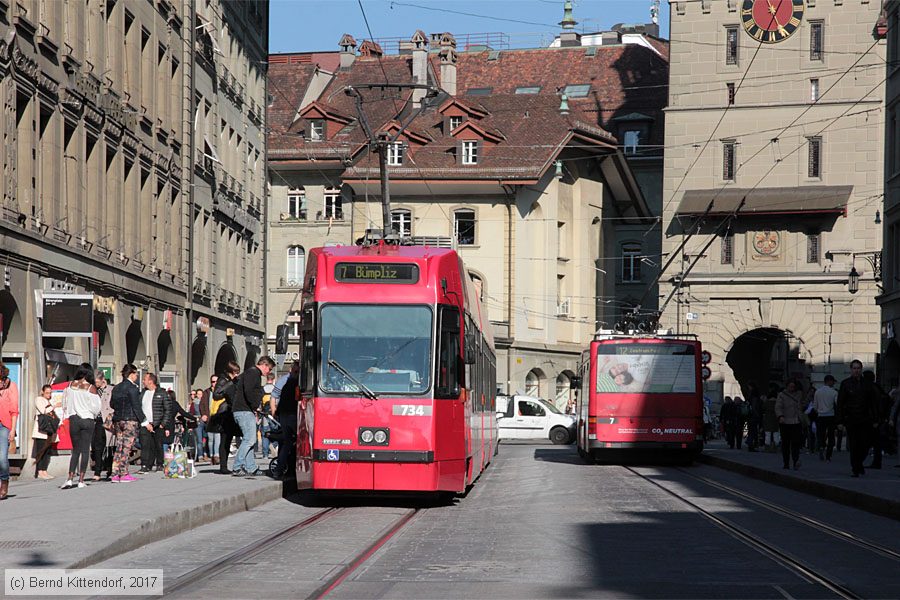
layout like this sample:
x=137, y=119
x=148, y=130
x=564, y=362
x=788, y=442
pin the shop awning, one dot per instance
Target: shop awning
x=62, y=357
x=767, y=201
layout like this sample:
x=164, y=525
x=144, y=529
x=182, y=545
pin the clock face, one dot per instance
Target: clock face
x=771, y=21
x=766, y=242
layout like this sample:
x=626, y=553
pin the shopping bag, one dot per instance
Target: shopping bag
x=175, y=462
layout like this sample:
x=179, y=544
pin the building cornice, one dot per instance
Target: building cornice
x=773, y=105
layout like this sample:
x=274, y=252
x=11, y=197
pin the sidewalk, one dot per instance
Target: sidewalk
x=43, y=526
x=878, y=491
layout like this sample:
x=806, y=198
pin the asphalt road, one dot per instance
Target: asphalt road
x=540, y=524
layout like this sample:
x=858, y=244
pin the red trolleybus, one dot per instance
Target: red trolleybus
x=398, y=372
x=641, y=392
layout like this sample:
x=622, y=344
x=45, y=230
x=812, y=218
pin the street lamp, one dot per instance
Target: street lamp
x=853, y=281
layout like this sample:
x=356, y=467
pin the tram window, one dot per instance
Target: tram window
x=447, y=366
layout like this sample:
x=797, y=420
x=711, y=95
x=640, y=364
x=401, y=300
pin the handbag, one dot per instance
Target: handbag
x=175, y=462
x=48, y=424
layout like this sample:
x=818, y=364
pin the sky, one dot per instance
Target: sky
x=309, y=25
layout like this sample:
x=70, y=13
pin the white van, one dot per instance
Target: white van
x=524, y=417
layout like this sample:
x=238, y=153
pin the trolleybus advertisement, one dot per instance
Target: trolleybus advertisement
x=646, y=368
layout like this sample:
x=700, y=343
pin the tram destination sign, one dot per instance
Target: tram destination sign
x=371, y=272
x=68, y=315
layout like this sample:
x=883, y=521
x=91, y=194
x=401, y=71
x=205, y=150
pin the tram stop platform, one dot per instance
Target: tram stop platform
x=878, y=491
x=44, y=526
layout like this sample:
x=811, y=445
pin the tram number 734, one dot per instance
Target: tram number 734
x=412, y=410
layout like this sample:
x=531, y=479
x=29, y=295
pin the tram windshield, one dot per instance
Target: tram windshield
x=386, y=348
x=646, y=368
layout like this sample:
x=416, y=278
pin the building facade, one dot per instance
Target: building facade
x=773, y=187
x=530, y=185
x=109, y=186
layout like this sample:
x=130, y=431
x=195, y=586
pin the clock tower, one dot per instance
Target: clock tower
x=773, y=183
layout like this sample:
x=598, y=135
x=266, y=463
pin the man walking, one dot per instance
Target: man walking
x=857, y=413
x=727, y=418
x=247, y=400
x=825, y=401
x=153, y=403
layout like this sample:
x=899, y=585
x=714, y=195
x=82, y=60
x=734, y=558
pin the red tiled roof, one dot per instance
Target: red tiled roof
x=533, y=133
x=624, y=79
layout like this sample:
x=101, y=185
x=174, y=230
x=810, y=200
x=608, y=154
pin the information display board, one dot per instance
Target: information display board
x=68, y=315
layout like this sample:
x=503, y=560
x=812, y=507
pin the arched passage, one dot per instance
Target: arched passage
x=135, y=349
x=563, y=390
x=767, y=355
x=535, y=383
x=13, y=328
x=226, y=353
x=198, y=356
x=252, y=356
x=164, y=348
x=105, y=345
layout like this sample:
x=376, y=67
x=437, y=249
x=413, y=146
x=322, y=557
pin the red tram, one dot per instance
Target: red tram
x=641, y=392
x=398, y=371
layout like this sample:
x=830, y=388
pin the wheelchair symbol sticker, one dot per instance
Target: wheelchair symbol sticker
x=333, y=455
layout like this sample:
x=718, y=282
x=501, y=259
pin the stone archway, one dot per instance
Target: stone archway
x=135, y=349
x=13, y=327
x=767, y=355
x=535, y=381
x=198, y=357
x=166, y=356
x=563, y=390
x=105, y=344
x=226, y=353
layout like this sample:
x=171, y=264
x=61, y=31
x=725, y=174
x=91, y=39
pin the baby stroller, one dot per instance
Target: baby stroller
x=274, y=433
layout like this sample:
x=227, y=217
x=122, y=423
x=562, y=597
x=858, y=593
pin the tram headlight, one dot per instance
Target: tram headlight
x=380, y=436
x=367, y=436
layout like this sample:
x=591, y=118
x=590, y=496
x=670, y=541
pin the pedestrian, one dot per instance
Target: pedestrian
x=221, y=415
x=857, y=413
x=286, y=397
x=741, y=416
x=808, y=420
x=754, y=423
x=267, y=408
x=726, y=418
x=9, y=417
x=81, y=406
x=102, y=443
x=154, y=403
x=199, y=409
x=128, y=414
x=174, y=412
x=825, y=401
x=213, y=436
x=883, y=411
x=770, y=419
x=247, y=401
x=40, y=450
x=788, y=407
x=894, y=420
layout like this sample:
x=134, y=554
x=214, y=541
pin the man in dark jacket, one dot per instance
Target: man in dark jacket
x=154, y=402
x=857, y=412
x=728, y=420
x=285, y=396
x=247, y=400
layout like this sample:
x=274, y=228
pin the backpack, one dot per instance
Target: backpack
x=222, y=396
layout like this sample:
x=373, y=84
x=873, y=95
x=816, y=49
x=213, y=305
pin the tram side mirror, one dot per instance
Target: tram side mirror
x=281, y=339
x=576, y=381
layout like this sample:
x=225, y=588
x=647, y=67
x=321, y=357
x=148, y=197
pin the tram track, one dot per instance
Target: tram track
x=204, y=572
x=360, y=559
x=799, y=517
x=780, y=556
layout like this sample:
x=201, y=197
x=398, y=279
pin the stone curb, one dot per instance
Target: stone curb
x=883, y=507
x=167, y=525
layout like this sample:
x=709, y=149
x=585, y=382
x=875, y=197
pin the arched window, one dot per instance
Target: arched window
x=631, y=261
x=296, y=265
x=464, y=227
x=533, y=383
x=401, y=222
x=478, y=282
x=563, y=391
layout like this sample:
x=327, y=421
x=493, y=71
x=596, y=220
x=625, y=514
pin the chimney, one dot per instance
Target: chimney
x=348, y=50
x=569, y=37
x=448, y=63
x=419, y=42
x=609, y=38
